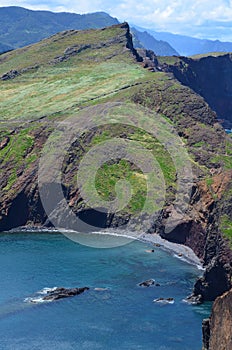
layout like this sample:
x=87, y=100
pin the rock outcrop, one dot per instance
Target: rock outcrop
x=202, y=233
x=147, y=283
x=211, y=77
x=217, y=331
x=10, y=75
x=55, y=293
x=60, y=293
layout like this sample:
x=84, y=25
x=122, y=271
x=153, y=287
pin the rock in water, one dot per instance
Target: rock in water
x=194, y=299
x=61, y=292
x=147, y=283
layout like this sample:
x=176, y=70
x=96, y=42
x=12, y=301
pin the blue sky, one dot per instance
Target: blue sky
x=200, y=18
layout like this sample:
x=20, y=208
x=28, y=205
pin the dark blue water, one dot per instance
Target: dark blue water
x=122, y=317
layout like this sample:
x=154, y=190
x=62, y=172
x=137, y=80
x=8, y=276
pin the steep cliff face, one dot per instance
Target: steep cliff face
x=217, y=331
x=217, y=255
x=211, y=77
x=201, y=228
x=201, y=231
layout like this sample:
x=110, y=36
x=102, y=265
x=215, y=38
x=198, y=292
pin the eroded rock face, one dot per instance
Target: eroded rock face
x=217, y=331
x=205, y=334
x=214, y=282
x=200, y=230
x=211, y=77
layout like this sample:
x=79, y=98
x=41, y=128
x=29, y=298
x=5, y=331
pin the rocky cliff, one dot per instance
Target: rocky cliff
x=217, y=330
x=211, y=77
x=202, y=226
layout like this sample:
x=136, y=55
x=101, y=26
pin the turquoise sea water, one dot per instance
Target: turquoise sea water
x=122, y=317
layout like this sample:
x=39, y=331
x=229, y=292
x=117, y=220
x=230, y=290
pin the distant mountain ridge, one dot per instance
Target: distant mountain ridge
x=20, y=27
x=189, y=46
x=160, y=47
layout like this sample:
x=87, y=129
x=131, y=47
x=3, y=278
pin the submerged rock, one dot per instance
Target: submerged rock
x=147, y=283
x=101, y=289
x=164, y=300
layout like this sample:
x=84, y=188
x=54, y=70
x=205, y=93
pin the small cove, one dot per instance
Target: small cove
x=123, y=316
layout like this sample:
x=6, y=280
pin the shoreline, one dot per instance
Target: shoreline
x=178, y=251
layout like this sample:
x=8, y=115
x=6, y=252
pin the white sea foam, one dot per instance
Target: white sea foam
x=100, y=289
x=46, y=290
x=38, y=300
x=183, y=258
x=34, y=229
x=163, y=301
x=179, y=251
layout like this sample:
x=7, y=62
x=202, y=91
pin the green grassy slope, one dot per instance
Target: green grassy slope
x=101, y=68
x=49, y=89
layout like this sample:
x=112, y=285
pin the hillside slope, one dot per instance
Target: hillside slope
x=84, y=77
x=20, y=27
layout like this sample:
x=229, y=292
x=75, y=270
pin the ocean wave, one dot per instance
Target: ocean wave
x=189, y=261
x=38, y=300
x=46, y=290
x=34, y=229
x=164, y=301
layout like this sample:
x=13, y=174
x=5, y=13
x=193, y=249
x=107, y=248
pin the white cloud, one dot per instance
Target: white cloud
x=80, y=6
x=180, y=16
x=179, y=11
